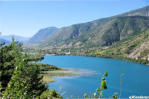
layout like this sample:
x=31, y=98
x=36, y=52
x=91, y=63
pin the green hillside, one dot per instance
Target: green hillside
x=98, y=33
x=94, y=34
x=135, y=48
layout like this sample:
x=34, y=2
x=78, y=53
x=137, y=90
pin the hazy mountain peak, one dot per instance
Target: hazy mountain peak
x=16, y=37
x=43, y=35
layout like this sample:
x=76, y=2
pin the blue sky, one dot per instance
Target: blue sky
x=25, y=18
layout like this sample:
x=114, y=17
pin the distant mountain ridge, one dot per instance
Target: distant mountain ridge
x=17, y=38
x=97, y=33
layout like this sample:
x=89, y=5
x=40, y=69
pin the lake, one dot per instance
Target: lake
x=135, y=80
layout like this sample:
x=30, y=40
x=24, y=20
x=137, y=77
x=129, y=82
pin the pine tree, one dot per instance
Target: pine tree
x=8, y=58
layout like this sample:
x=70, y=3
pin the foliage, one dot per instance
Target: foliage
x=9, y=55
x=25, y=82
x=103, y=84
x=19, y=78
x=106, y=74
x=47, y=67
x=50, y=94
x=99, y=91
x=36, y=57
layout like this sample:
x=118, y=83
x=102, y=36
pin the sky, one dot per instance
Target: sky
x=27, y=17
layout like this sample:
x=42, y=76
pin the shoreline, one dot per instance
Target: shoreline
x=108, y=57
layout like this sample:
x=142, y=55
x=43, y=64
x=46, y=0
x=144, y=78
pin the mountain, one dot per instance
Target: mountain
x=17, y=38
x=97, y=33
x=42, y=35
x=102, y=32
x=135, y=47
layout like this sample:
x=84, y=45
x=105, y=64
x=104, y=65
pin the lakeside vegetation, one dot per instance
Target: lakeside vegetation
x=22, y=77
x=19, y=77
x=35, y=57
x=95, y=53
x=107, y=52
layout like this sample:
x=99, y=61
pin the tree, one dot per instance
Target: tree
x=18, y=77
x=26, y=82
x=9, y=54
x=50, y=94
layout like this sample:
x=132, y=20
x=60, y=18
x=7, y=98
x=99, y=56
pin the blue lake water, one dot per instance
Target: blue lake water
x=135, y=80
